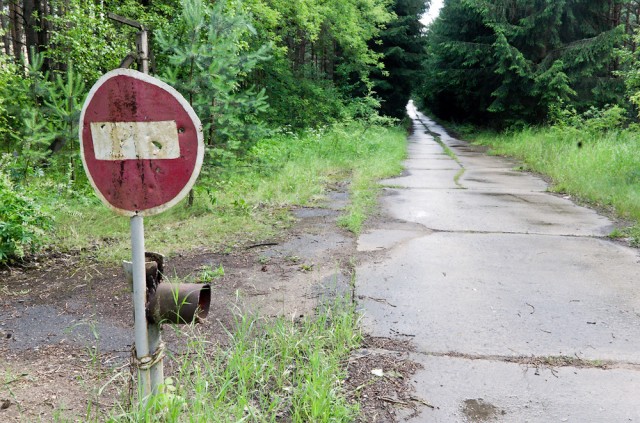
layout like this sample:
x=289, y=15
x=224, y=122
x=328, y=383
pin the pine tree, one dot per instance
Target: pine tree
x=510, y=61
x=402, y=44
x=208, y=60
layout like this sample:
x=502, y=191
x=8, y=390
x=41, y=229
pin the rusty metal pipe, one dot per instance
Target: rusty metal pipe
x=179, y=303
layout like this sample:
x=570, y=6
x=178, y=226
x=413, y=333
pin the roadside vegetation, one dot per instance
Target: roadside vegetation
x=248, y=202
x=593, y=157
x=272, y=370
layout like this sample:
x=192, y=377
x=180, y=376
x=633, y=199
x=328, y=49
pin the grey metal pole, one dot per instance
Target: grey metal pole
x=154, y=330
x=148, y=338
x=157, y=369
x=139, y=303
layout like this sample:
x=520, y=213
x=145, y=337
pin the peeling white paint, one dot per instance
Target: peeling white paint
x=135, y=140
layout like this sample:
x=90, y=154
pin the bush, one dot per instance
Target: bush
x=593, y=120
x=23, y=224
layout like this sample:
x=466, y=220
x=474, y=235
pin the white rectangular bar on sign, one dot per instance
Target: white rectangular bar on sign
x=135, y=140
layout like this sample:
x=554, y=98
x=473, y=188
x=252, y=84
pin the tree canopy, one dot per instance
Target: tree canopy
x=510, y=61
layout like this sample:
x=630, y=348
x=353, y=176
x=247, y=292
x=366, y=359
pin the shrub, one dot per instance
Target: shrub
x=23, y=224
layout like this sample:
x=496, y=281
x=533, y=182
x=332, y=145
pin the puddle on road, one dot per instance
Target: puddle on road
x=306, y=213
x=477, y=410
x=39, y=325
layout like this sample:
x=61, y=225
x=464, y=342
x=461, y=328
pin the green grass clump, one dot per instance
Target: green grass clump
x=271, y=371
x=602, y=168
x=380, y=156
x=245, y=200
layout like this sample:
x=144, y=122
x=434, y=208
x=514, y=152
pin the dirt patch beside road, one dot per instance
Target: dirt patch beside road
x=66, y=323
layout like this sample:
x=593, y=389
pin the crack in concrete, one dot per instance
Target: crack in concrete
x=548, y=361
x=448, y=151
x=473, y=232
x=538, y=362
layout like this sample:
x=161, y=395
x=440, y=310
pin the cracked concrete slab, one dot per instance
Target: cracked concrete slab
x=515, y=211
x=382, y=239
x=434, y=179
x=431, y=163
x=464, y=390
x=507, y=295
x=432, y=149
x=478, y=161
x=496, y=178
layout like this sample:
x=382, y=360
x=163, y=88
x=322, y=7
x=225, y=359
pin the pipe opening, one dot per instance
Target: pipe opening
x=204, y=302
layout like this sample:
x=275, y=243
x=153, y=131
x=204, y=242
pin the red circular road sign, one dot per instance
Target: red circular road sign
x=141, y=143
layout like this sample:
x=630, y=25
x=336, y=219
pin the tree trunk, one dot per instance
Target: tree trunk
x=35, y=27
x=191, y=198
x=4, y=24
x=30, y=15
x=15, y=18
x=43, y=32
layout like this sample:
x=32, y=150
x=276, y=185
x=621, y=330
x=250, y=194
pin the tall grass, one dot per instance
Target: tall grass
x=248, y=199
x=272, y=371
x=601, y=167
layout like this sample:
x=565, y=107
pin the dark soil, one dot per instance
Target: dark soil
x=379, y=379
x=66, y=323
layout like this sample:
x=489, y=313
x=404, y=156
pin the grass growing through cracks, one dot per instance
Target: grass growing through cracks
x=271, y=371
x=248, y=199
x=602, y=168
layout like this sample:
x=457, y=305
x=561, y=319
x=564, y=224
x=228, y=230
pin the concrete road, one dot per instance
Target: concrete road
x=521, y=308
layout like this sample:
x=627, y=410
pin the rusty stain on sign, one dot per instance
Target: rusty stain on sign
x=135, y=140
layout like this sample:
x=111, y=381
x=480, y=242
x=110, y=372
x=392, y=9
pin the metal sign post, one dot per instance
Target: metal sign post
x=142, y=149
x=151, y=338
x=147, y=341
x=139, y=306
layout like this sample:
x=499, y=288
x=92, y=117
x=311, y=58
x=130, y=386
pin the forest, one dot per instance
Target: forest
x=514, y=62
x=553, y=83
x=303, y=103
x=252, y=70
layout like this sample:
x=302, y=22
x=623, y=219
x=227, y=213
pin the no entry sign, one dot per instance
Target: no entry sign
x=141, y=143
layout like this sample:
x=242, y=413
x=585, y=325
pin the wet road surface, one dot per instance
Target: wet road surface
x=521, y=308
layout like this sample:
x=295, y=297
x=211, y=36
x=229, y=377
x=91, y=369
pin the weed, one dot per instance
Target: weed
x=632, y=234
x=208, y=274
x=293, y=259
x=306, y=267
x=457, y=176
x=598, y=167
x=616, y=234
x=93, y=351
x=15, y=293
x=271, y=371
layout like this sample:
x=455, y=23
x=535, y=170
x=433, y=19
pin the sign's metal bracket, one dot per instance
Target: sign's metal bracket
x=128, y=60
x=126, y=21
x=142, y=55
